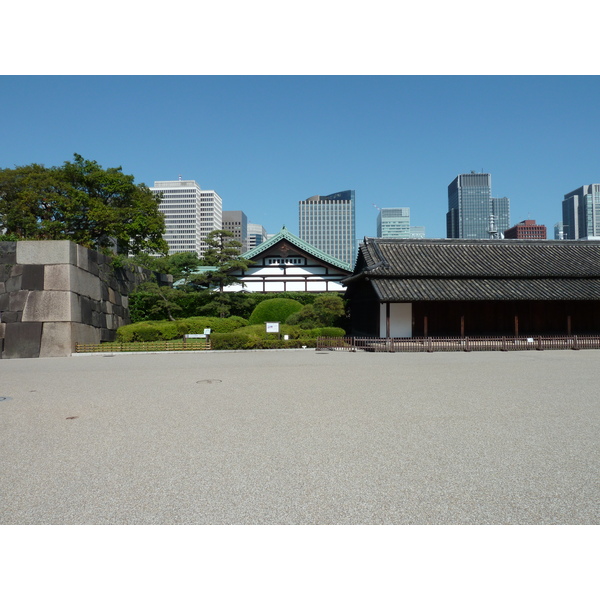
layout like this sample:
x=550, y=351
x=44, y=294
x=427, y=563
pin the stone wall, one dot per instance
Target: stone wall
x=55, y=294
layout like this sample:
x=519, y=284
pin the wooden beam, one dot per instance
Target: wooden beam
x=387, y=320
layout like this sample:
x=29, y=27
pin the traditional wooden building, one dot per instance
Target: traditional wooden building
x=285, y=263
x=410, y=288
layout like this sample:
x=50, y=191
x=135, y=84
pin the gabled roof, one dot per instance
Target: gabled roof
x=284, y=234
x=411, y=270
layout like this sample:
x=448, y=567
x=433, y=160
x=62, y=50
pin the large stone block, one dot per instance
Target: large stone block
x=5, y=270
x=8, y=252
x=13, y=284
x=86, y=309
x=33, y=277
x=83, y=258
x=46, y=252
x=108, y=335
x=58, y=277
x=51, y=306
x=9, y=316
x=57, y=340
x=85, y=334
x=17, y=300
x=71, y=278
x=2, y=330
x=22, y=340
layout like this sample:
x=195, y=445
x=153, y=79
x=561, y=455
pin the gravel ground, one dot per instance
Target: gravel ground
x=301, y=437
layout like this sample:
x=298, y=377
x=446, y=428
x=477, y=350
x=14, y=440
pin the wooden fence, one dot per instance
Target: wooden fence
x=466, y=344
x=158, y=346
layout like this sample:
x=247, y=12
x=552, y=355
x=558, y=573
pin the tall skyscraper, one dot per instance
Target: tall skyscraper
x=328, y=223
x=500, y=212
x=190, y=214
x=236, y=221
x=472, y=212
x=558, y=231
x=395, y=223
x=581, y=212
x=257, y=234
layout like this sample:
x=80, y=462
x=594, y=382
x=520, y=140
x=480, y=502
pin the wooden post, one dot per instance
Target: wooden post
x=516, y=326
x=387, y=320
x=425, y=326
x=462, y=326
x=568, y=325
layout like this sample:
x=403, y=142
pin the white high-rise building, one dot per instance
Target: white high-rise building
x=191, y=213
x=395, y=223
x=328, y=224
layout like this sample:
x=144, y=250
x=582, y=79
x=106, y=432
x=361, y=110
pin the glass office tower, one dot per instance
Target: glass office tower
x=328, y=223
x=472, y=210
x=393, y=223
x=581, y=212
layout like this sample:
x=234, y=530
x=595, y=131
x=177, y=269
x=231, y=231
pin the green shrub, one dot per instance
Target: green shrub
x=144, y=306
x=259, y=331
x=326, y=311
x=147, y=331
x=324, y=332
x=215, y=324
x=144, y=332
x=278, y=309
x=242, y=341
x=232, y=341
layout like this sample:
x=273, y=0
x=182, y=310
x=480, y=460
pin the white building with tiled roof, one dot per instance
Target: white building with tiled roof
x=285, y=263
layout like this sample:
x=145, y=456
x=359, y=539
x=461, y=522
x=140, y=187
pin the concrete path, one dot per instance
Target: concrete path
x=301, y=437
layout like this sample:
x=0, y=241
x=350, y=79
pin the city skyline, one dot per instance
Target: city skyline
x=266, y=143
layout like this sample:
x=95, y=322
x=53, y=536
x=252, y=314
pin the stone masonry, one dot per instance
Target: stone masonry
x=54, y=294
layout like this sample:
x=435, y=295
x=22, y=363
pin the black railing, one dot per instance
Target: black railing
x=458, y=344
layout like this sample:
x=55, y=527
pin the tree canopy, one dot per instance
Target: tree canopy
x=223, y=252
x=82, y=202
x=180, y=265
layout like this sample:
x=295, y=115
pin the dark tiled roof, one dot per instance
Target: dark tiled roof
x=412, y=290
x=411, y=270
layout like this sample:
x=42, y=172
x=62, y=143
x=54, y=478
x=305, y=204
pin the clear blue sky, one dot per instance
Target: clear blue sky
x=266, y=142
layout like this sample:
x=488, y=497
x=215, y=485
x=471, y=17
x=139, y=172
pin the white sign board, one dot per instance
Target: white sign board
x=272, y=327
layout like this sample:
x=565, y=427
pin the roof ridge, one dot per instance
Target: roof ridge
x=285, y=234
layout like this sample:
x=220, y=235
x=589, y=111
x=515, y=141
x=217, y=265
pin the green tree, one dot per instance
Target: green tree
x=165, y=298
x=180, y=265
x=223, y=252
x=325, y=311
x=82, y=202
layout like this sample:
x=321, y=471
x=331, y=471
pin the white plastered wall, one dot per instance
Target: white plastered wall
x=400, y=320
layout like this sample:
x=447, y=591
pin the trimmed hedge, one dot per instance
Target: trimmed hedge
x=277, y=309
x=241, y=341
x=151, y=331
